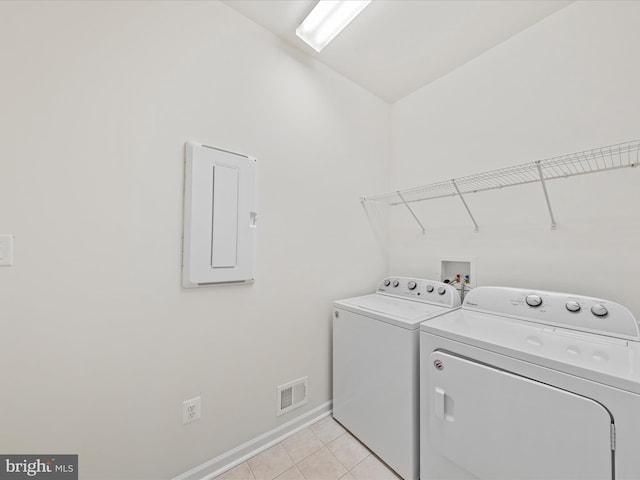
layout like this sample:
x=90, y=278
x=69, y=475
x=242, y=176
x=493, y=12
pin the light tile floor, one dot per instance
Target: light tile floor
x=323, y=451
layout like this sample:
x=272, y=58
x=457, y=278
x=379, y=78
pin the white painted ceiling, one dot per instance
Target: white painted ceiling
x=394, y=47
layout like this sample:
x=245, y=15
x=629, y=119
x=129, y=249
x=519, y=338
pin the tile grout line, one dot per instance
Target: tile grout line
x=250, y=470
x=307, y=456
x=290, y=457
x=361, y=461
x=326, y=446
x=321, y=443
x=349, y=469
x=369, y=452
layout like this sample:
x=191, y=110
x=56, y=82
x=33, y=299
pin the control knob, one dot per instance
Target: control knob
x=429, y=288
x=573, y=306
x=441, y=290
x=387, y=282
x=599, y=310
x=412, y=285
x=396, y=283
x=533, y=300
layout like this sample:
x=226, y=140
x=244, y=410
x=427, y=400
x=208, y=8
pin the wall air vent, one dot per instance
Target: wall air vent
x=292, y=395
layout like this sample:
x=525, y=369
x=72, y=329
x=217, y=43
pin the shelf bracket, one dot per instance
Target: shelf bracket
x=554, y=225
x=453, y=181
x=411, y=211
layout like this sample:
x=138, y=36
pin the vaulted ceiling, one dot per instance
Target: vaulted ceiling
x=397, y=46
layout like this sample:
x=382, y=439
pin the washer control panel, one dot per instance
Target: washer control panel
x=575, y=312
x=420, y=289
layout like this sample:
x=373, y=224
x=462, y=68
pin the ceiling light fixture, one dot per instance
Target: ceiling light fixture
x=327, y=19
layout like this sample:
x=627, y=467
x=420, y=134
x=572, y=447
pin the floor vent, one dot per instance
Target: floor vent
x=292, y=395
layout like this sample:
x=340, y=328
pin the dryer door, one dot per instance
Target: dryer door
x=497, y=425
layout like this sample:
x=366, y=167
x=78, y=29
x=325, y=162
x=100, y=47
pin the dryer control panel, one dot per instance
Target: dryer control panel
x=420, y=289
x=565, y=310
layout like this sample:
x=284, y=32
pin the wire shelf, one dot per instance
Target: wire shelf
x=601, y=159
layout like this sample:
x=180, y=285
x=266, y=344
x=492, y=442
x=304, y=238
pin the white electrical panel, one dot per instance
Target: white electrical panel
x=220, y=212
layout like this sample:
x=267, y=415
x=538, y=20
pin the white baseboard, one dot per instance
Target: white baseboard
x=242, y=453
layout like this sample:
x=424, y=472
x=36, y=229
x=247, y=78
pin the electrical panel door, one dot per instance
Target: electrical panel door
x=219, y=217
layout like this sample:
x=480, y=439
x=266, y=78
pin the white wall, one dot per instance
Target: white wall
x=566, y=84
x=99, y=343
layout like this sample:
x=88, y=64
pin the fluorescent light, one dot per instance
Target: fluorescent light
x=327, y=19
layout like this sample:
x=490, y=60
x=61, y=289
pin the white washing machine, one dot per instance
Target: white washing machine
x=521, y=384
x=376, y=362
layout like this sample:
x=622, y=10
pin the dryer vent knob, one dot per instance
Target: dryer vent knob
x=533, y=300
x=599, y=310
x=573, y=306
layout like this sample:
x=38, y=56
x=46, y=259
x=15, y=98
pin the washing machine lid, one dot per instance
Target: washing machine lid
x=603, y=359
x=401, y=312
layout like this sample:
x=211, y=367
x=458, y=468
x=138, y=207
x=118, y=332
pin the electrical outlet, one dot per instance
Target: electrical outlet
x=191, y=410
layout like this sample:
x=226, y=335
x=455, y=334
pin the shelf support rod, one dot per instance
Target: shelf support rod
x=455, y=185
x=411, y=211
x=554, y=225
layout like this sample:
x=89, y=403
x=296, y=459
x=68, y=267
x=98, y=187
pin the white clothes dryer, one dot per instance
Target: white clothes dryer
x=521, y=384
x=375, y=365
